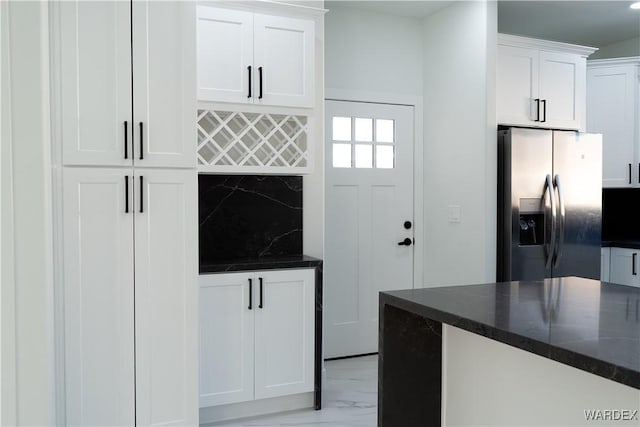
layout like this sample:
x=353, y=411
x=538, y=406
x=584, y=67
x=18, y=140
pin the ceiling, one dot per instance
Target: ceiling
x=590, y=23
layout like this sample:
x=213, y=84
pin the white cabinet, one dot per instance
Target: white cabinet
x=246, y=57
x=127, y=83
x=516, y=84
x=624, y=266
x=613, y=109
x=256, y=335
x=166, y=296
x=284, y=333
x=226, y=339
x=130, y=323
x=605, y=263
x=98, y=298
x=124, y=107
x=540, y=83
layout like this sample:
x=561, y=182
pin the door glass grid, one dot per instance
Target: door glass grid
x=363, y=142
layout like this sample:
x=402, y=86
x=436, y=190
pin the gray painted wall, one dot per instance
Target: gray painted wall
x=372, y=52
x=460, y=153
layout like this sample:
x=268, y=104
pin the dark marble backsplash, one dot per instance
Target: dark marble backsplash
x=620, y=214
x=249, y=216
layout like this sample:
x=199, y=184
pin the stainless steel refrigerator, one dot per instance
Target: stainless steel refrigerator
x=549, y=204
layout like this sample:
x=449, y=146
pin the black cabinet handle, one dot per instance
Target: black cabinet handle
x=141, y=195
x=260, y=304
x=250, y=294
x=629, y=173
x=141, y=143
x=126, y=142
x=634, y=259
x=260, y=78
x=638, y=173
x=126, y=194
x=249, y=69
x=406, y=242
x=537, y=101
x=544, y=111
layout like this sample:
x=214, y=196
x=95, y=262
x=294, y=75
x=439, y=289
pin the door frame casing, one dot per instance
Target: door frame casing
x=332, y=94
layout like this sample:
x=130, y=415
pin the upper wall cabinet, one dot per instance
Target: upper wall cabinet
x=246, y=57
x=613, y=109
x=541, y=83
x=127, y=83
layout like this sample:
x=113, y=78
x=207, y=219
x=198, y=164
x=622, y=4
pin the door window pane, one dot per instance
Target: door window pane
x=384, y=130
x=364, y=130
x=364, y=156
x=341, y=155
x=384, y=156
x=342, y=128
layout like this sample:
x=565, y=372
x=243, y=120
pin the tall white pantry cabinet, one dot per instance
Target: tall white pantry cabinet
x=124, y=108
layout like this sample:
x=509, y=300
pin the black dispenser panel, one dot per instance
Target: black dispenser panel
x=531, y=226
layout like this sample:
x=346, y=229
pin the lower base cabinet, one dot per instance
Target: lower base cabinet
x=256, y=335
x=624, y=267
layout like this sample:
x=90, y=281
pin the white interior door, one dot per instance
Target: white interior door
x=369, y=212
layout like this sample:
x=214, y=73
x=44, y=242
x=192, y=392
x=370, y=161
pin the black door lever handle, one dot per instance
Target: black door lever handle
x=406, y=242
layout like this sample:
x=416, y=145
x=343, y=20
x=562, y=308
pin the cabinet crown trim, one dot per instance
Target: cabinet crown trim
x=267, y=6
x=629, y=60
x=527, y=42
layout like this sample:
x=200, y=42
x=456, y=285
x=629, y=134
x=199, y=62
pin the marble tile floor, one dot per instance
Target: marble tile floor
x=350, y=398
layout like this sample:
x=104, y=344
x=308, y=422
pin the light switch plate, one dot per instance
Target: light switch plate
x=454, y=214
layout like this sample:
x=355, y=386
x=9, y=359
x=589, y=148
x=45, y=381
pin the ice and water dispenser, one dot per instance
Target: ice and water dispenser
x=531, y=224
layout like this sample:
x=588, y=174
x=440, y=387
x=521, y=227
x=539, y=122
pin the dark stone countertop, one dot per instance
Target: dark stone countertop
x=590, y=325
x=266, y=263
x=627, y=244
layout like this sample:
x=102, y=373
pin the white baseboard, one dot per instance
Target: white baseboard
x=254, y=408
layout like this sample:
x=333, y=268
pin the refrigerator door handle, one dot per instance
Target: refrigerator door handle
x=552, y=241
x=560, y=244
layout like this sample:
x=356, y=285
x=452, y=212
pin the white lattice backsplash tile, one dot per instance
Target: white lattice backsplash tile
x=234, y=140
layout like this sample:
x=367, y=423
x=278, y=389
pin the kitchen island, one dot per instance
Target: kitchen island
x=514, y=353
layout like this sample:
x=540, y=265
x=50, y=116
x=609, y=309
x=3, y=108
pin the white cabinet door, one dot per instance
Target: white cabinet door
x=605, y=264
x=98, y=297
x=562, y=86
x=253, y=58
x=284, y=333
x=164, y=70
x=610, y=111
x=517, y=85
x=166, y=297
x=624, y=266
x=284, y=61
x=224, y=55
x=226, y=338
x=95, y=82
